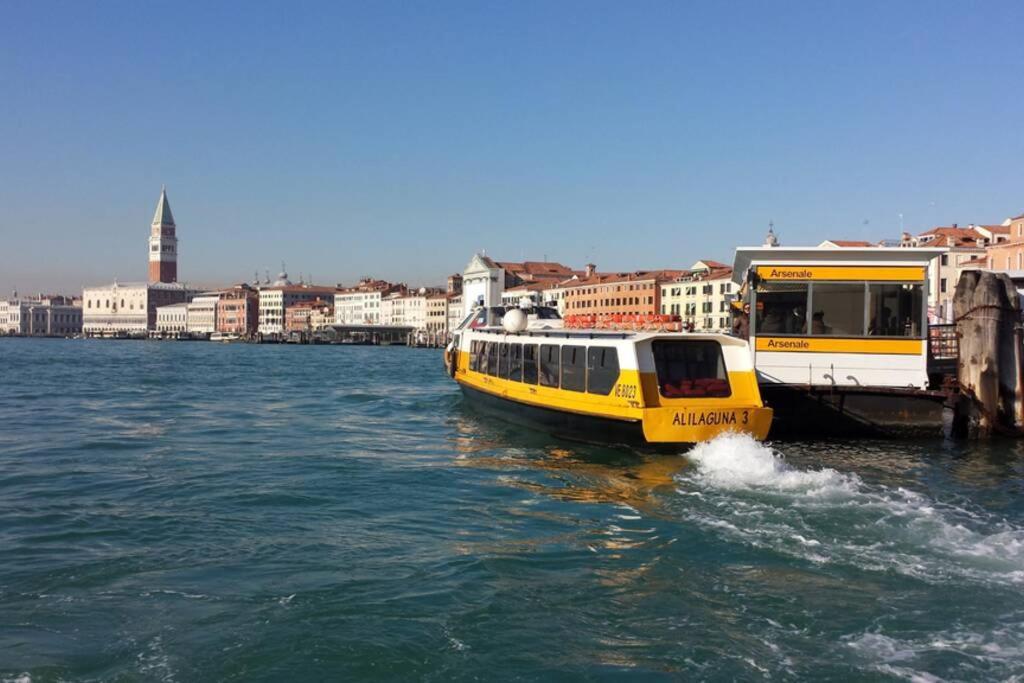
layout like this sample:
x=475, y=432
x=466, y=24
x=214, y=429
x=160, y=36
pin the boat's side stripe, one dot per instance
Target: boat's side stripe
x=633, y=392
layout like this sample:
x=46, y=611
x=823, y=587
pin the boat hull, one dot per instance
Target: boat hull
x=572, y=426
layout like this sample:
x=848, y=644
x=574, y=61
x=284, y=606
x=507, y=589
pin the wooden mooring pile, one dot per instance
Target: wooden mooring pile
x=990, y=369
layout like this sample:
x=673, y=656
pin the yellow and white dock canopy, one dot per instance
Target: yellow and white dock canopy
x=838, y=316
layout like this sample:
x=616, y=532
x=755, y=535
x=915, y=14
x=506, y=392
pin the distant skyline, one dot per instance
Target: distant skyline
x=395, y=139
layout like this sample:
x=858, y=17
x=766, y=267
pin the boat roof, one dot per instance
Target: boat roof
x=844, y=256
x=638, y=335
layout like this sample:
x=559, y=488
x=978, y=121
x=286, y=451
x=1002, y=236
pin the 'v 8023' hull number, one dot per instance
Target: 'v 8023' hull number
x=625, y=390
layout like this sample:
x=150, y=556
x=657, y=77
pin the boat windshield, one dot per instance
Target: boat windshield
x=545, y=313
x=690, y=369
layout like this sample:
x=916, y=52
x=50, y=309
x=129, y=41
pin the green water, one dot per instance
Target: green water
x=202, y=512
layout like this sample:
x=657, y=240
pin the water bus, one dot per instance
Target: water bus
x=619, y=386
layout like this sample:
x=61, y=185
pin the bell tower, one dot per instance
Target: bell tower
x=163, y=243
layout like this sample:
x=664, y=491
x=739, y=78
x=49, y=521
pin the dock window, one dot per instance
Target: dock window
x=503, y=360
x=895, y=310
x=515, y=362
x=782, y=308
x=690, y=369
x=602, y=369
x=549, y=365
x=838, y=309
x=574, y=368
x=530, y=363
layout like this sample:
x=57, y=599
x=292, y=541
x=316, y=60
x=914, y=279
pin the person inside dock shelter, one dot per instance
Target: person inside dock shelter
x=798, y=321
x=741, y=321
x=774, y=320
x=818, y=325
x=882, y=324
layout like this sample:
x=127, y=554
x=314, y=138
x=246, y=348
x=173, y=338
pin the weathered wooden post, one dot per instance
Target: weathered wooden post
x=987, y=312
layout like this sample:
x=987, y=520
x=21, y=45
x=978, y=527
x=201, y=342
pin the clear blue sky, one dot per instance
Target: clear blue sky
x=394, y=139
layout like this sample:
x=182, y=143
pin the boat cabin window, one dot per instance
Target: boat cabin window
x=481, y=364
x=468, y=321
x=837, y=309
x=602, y=369
x=515, y=362
x=545, y=313
x=782, y=308
x=894, y=310
x=474, y=355
x=574, y=368
x=477, y=318
x=492, y=358
x=549, y=365
x=503, y=360
x=690, y=369
x=530, y=363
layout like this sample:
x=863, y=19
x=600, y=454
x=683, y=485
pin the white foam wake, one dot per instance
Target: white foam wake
x=994, y=654
x=737, y=461
x=748, y=492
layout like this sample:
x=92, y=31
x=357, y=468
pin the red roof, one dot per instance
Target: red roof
x=950, y=236
x=530, y=287
x=999, y=229
x=639, y=275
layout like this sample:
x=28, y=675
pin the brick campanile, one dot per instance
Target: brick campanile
x=163, y=243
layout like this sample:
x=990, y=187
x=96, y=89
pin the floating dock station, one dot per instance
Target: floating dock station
x=841, y=340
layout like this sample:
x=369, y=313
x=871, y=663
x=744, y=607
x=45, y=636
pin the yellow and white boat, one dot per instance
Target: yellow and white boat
x=647, y=387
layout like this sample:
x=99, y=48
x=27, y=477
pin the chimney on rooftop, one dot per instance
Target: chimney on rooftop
x=954, y=225
x=591, y=269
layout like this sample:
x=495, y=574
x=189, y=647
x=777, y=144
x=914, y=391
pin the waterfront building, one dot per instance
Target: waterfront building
x=321, y=317
x=701, y=296
x=163, y=243
x=554, y=294
x=202, y=315
x=361, y=304
x=128, y=308
x=238, y=311
x=41, y=316
x=1007, y=255
x=437, y=317
x=454, y=283
x=484, y=279
x=172, y=320
x=455, y=311
x=961, y=248
x=306, y=317
x=407, y=309
x=392, y=309
x=532, y=292
x=637, y=293
x=276, y=298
